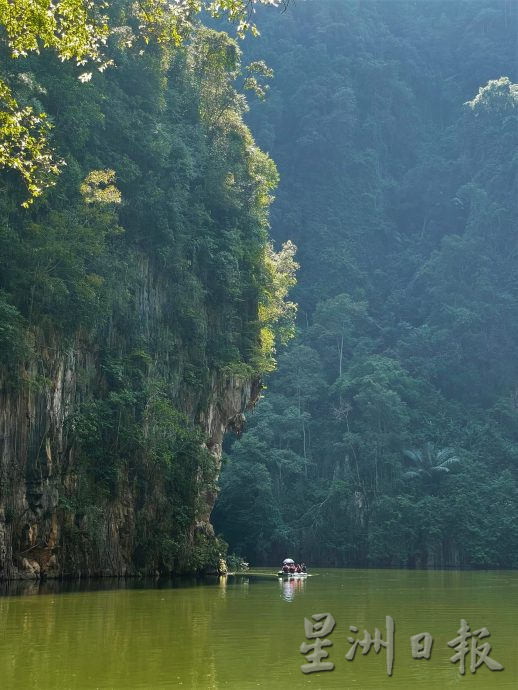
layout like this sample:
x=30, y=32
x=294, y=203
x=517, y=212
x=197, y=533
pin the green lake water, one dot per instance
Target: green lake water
x=245, y=633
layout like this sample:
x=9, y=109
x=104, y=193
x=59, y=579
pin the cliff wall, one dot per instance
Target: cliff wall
x=57, y=517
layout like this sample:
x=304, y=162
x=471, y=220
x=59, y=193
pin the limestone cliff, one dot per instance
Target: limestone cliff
x=44, y=529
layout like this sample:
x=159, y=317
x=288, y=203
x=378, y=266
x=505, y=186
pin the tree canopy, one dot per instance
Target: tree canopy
x=389, y=428
x=79, y=31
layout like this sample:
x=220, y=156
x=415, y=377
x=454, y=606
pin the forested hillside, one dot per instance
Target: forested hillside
x=140, y=297
x=389, y=433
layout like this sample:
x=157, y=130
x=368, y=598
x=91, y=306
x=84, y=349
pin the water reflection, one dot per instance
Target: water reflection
x=291, y=587
x=215, y=634
x=222, y=584
x=86, y=585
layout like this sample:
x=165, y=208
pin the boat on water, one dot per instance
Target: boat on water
x=290, y=570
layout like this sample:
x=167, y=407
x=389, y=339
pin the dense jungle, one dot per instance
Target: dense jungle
x=388, y=434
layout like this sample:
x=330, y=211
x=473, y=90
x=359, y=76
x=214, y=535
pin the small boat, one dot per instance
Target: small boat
x=289, y=563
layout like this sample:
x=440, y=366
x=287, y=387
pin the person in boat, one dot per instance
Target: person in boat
x=303, y=567
x=298, y=569
x=292, y=568
x=285, y=568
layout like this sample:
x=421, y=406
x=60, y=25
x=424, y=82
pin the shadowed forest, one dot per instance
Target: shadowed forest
x=389, y=433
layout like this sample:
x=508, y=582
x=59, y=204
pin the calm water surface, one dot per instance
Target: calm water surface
x=245, y=633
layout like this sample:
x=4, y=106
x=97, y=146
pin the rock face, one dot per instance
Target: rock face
x=43, y=529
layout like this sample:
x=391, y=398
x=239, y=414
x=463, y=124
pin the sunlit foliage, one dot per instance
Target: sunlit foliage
x=78, y=30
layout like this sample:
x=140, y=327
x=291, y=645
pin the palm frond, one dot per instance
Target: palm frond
x=450, y=461
x=440, y=468
x=414, y=456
